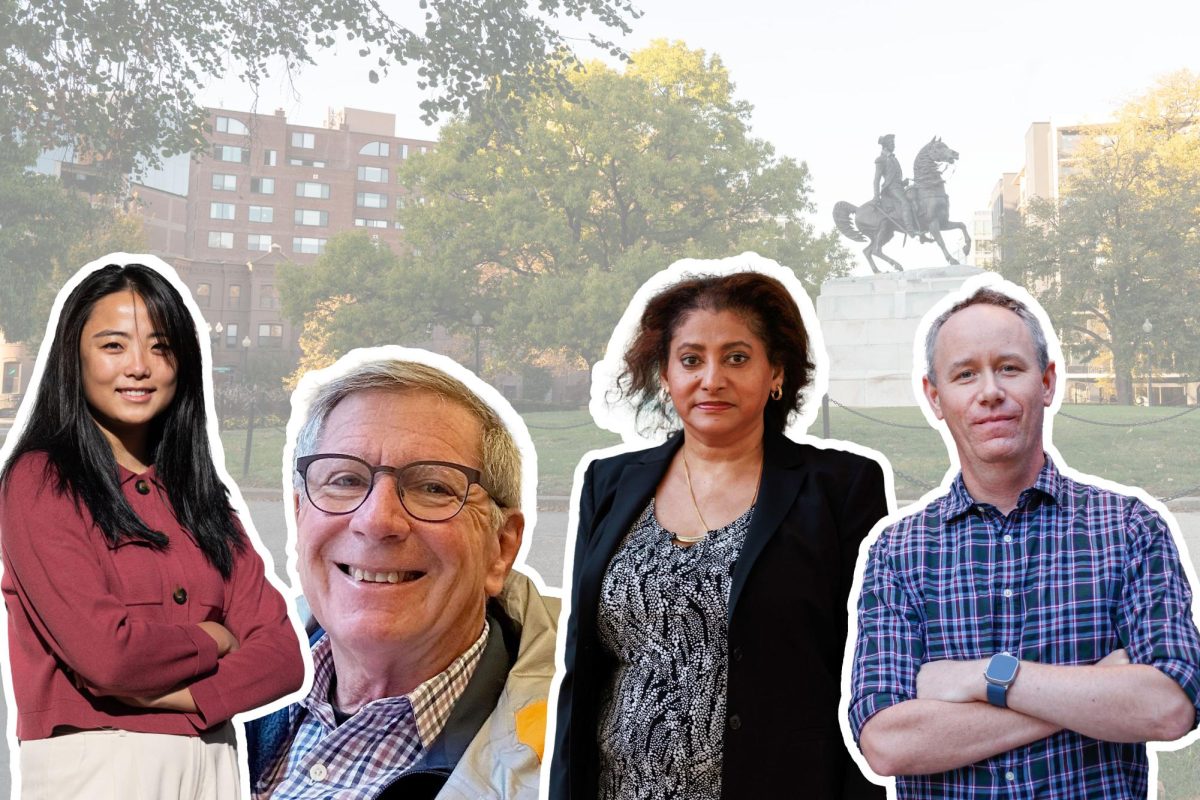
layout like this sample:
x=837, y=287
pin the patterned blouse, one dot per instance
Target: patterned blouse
x=664, y=620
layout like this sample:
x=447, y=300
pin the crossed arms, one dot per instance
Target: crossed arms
x=950, y=723
x=918, y=708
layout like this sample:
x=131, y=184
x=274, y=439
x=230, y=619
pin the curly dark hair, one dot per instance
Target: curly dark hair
x=763, y=303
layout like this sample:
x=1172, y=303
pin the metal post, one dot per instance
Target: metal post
x=1148, y=328
x=825, y=415
x=249, y=431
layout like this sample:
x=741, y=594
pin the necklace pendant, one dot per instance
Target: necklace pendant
x=689, y=539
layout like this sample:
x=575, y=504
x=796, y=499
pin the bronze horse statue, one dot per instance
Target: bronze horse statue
x=870, y=223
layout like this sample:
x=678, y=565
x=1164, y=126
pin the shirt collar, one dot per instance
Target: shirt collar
x=429, y=704
x=125, y=475
x=1049, y=484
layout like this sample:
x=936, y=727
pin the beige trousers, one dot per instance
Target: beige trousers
x=120, y=765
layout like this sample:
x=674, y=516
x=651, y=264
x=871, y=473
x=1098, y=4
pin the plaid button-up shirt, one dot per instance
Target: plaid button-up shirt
x=1071, y=574
x=359, y=758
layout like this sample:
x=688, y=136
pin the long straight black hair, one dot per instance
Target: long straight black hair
x=62, y=426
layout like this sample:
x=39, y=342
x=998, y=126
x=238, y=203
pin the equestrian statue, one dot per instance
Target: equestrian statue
x=920, y=208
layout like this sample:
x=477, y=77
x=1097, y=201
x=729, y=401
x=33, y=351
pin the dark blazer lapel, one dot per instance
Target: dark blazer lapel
x=782, y=480
x=632, y=491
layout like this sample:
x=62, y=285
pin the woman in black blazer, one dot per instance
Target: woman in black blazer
x=711, y=573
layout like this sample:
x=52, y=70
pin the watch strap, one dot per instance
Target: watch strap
x=997, y=695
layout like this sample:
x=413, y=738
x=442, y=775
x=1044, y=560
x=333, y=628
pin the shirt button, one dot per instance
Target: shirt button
x=180, y=595
x=1008, y=538
x=318, y=772
x=735, y=722
x=1008, y=592
x=1010, y=776
x=737, y=654
x=142, y=487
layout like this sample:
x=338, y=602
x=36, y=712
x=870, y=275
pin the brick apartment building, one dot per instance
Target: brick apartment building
x=264, y=193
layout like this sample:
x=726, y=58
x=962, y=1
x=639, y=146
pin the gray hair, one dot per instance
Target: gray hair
x=499, y=457
x=990, y=297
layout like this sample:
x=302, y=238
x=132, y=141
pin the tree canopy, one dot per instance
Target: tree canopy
x=1121, y=247
x=117, y=80
x=547, y=226
x=47, y=232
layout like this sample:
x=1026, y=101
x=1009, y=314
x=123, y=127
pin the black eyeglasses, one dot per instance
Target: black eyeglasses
x=431, y=491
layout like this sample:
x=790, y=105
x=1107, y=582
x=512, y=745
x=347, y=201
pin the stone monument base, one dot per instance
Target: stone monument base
x=869, y=323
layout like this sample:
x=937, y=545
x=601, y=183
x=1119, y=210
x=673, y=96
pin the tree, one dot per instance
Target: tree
x=116, y=80
x=47, y=232
x=1122, y=245
x=547, y=226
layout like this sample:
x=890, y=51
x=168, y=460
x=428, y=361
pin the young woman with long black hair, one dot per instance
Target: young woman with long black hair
x=139, y=617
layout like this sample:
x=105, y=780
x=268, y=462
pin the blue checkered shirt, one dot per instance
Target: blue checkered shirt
x=1071, y=574
x=360, y=758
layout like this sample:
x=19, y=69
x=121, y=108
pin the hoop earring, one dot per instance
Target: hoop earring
x=777, y=393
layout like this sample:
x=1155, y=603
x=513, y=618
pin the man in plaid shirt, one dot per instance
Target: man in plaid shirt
x=1025, y=634
x=433, y=662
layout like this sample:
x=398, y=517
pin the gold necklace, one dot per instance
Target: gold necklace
x=687, y=473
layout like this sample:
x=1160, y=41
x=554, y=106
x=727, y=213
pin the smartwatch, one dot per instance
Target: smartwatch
x=1000, y=673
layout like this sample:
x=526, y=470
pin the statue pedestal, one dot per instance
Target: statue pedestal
x=869, y=323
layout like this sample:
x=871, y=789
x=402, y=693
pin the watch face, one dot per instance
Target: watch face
x=1002, y=668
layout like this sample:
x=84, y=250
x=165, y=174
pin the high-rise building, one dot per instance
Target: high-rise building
x=265, y=182
x=264, y=192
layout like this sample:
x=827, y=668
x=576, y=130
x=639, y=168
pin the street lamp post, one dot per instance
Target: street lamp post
x=1148, y=329
x=477, y=323
x=251, y=408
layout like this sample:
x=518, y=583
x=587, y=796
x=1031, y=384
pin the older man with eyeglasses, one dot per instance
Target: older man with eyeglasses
x=432, y=659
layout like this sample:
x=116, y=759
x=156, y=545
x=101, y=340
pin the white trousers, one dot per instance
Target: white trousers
x=120, y=765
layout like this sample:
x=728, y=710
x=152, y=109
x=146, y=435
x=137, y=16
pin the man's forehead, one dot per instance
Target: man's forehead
x=387, y=418
x=982, y=323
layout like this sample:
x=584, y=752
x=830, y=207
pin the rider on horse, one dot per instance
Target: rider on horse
x=891, y=196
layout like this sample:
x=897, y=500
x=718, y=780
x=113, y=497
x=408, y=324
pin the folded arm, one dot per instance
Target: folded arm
x=918, y=737
x=52, y=559
x=1113, y=700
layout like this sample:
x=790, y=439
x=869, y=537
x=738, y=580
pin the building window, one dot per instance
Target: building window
x=312, y=189
x=375, y=149
x=262, y=185
x=238, y=155
x=220, y=240
x=235, y=296
x=224, y=183
x=307, y=216
x=270, y=335
x=221, y=211
x=308, y=244
x=304, y=141
x=404, y=151
x=204, y=294
x=373, y=174
x=370, y=200
x=268, y=297
x=364, y=222
x=231, y=125
x=12, y=377
x=260, y=242
x=306, y=162
x=262, y=214
x=424, y=150
x=270, y=158
x=231, y=332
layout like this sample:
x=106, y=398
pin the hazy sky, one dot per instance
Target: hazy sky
x=826, y=80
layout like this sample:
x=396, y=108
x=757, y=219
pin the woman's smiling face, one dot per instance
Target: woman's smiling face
x=126, y=365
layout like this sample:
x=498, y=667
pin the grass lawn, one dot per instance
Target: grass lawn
x=1137, y=446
